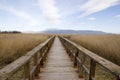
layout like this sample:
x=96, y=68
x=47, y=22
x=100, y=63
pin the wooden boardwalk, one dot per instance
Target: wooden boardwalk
x=58, y=65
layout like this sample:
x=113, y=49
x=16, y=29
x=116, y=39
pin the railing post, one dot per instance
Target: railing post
x=27, y=71
x=80, y=71
x=42, y=61
x=72, y=55
x=37, y=70
x=92, y=70
x=40, y=57
x=118, y=78
x=45, y=53
x=75, y=59
x=67, y=50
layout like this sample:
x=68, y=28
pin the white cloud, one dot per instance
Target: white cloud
x=92, y=18
x=117, y=16
x=93, y=6
x=33, y=22
x=20, y=14
x=49, y=10
x=82, y=23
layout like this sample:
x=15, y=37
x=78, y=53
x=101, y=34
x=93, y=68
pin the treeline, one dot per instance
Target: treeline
x=6, y=32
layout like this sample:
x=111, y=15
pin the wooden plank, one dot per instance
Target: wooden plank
x=58, y=65
x=92, y=70
x=27, y=71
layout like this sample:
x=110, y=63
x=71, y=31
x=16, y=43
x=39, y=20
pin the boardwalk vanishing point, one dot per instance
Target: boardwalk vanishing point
x=58, y=65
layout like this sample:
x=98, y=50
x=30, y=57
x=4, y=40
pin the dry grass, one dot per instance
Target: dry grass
x=107, y=46
x=13, y=46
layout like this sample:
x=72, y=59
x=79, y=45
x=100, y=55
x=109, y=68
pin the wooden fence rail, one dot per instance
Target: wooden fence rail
x=79, y=54
x=38, y=55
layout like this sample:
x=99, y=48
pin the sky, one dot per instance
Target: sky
x=39, y=15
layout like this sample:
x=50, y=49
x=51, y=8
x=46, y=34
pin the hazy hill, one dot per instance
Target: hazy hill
x=73, y=32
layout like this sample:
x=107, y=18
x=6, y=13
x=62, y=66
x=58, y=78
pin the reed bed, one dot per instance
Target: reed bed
x=12, y=46
x=106, y=46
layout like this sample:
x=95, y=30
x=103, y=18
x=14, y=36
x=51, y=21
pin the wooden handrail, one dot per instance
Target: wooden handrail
x=38, y=54
x=76, y=50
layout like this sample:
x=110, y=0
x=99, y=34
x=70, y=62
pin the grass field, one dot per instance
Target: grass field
x=13, y=46
x=107, y=46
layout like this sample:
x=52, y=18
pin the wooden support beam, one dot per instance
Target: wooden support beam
x=37, y=69
x=92, y=70
x=27, y=71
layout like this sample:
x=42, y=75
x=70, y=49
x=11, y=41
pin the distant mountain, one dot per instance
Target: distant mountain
x=73, y=32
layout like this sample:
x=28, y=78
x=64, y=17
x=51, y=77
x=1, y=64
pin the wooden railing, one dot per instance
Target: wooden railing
x=87, y=62
x=28, y=65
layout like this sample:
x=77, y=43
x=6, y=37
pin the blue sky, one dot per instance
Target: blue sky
x=38, y=15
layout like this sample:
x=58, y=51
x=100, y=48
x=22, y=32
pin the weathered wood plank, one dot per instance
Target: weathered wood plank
x=58, y=65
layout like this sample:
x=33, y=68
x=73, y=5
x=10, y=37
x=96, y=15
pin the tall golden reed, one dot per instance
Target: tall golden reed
x=13, y=46
x=107, y=46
